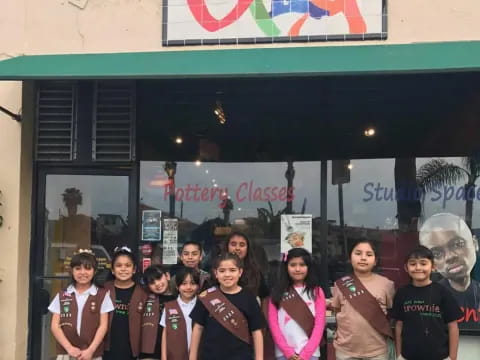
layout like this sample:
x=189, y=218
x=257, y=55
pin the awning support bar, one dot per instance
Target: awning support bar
x=16, y=117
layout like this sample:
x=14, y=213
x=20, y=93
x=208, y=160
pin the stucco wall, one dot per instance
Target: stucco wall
x=15, y=184
x=135, y=25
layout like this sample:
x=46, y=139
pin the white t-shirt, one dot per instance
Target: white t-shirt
x=186, y=310
x=293, y=333
x=81, y=299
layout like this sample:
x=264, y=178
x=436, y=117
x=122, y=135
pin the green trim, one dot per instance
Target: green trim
x=287, y=61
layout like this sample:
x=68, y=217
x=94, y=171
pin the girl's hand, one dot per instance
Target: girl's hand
x=74, y=351
x=86, y=354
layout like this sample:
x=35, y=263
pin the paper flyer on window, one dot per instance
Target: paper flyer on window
x=151, y=225
x=296, y=231
x=170, y=241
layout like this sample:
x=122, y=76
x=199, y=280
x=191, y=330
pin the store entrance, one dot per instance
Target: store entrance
x=76, y=209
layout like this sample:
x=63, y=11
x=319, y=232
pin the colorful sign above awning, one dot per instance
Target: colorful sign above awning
x=207, y=22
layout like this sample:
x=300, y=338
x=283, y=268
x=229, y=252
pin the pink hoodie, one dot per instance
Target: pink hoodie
x=317, y=333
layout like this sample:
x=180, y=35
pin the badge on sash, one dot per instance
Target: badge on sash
x=234, y=323
x=174, y=326
x=149, y=307
x=140, y=307
x=93, y=306
x=66, y=309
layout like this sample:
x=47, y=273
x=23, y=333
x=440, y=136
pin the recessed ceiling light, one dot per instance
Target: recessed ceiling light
x=369, y=132
x=178, y=140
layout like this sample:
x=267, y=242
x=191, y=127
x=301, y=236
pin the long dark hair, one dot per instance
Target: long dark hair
x=285, y=283
x=251, y=271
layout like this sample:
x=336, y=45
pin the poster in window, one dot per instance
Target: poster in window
x=170, y=241
x=296, y=232
x=151, y=225
x=455, y=251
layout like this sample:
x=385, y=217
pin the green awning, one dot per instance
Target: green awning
x=286, y=61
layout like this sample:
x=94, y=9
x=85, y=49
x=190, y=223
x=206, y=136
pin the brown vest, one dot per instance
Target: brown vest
x=176, y=328
x=135, y=311
x=365, y=303
x=90, y=320
x=149, y=324
x=227, y=314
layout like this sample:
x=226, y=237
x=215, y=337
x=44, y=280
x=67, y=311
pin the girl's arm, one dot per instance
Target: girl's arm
x=195, y=341
x=398, y=337
x=318, y=326
x=257, y=337
x=164, y=344
x=277, y=335
x=61, y=338
x=97, y=340
x=453, y=334
x=163, y=324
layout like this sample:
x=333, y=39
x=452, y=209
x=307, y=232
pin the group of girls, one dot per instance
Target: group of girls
x=124, y=320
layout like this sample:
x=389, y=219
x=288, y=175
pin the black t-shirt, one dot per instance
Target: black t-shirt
x=425, y=312
x=120, y=348
x=469, y=301
x=218, y=343
x=162, y=299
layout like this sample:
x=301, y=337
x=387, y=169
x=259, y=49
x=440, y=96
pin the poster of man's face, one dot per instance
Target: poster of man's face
x=454, y=249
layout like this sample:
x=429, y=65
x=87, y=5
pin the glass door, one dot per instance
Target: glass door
x=74, y=211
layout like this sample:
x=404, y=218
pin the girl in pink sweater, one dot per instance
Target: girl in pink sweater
x=296, y=311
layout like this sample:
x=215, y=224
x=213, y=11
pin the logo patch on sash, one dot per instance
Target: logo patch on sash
x=352, y=288
x=215, y=302
x=174, y=326
x=66, y=308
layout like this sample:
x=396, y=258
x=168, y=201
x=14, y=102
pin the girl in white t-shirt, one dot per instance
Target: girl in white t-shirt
x=356, y=336
x=176, y=319
x=80, y=312
x=296, y=311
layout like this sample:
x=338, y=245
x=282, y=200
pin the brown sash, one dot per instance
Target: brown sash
x=365, y=303
x=227, y=314
x=90, y=320
x=135, y=311
x=298, y=310
x=176, y=328
x=150, y=321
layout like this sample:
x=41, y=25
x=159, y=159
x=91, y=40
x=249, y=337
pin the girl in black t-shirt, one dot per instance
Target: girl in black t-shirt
x=218, y=343
x=123, y=338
